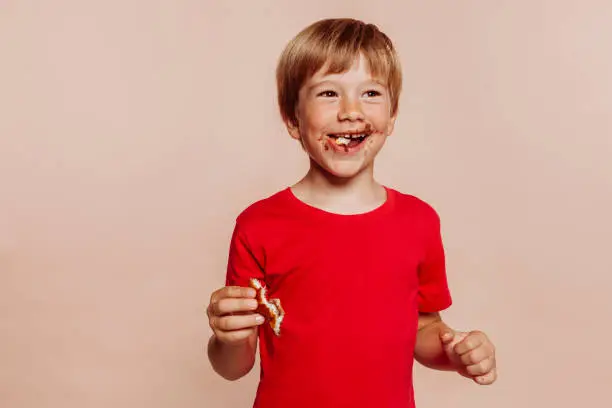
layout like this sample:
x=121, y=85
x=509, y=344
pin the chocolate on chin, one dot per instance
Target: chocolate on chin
x=270, y=308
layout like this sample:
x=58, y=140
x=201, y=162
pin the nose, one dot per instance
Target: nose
x=350, y=110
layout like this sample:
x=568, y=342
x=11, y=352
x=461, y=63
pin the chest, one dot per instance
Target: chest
x=323, y=275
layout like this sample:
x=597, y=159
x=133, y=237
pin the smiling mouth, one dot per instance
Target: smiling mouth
x=349, y=139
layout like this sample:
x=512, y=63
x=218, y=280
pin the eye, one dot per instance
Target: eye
x=372, y=93
x=327, y=94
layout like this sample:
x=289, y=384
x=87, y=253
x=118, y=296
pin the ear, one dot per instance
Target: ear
x=390, y=126
x=293, y=129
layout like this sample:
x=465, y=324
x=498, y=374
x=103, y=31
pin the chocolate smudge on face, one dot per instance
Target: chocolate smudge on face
x=324, y=141
x=368, y=130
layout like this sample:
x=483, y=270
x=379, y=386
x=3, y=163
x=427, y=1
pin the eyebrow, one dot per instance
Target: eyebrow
x=331, y=82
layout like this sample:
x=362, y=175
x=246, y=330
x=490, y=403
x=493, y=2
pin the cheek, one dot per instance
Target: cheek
x=316, y=130
x=374, y=142
x=315, y=140
x=379, y=117
x=319, y=117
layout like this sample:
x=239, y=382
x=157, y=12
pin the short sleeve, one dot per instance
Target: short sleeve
x=434, y=294
x=243, y=262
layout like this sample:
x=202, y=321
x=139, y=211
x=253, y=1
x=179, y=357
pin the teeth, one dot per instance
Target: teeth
x=350, y=135
x=341, y=140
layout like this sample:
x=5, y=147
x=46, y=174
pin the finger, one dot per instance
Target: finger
x=227, y=306
x=233, y=292
x=470, y=342
x=235, y=336
x=475, y=356
x=481, y=368
x=488, y=378
x=231, y=323
x=449, y=345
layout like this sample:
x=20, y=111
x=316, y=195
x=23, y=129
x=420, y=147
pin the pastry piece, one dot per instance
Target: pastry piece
x=270, y=308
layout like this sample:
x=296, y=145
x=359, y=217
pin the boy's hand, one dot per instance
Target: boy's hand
x=472, y=353
x=231, y=314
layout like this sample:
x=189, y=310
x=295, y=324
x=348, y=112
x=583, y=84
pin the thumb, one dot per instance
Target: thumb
x=450, y=339
x=447, y=335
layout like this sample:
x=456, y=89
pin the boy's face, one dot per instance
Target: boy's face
x=343, y=119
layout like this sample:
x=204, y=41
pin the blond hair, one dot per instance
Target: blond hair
x=337, y=43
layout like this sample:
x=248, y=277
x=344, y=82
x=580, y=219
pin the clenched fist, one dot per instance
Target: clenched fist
x=472, y=353
x=232, y=316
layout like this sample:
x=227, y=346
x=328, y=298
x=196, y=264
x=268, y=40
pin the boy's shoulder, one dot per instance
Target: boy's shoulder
x=270, y=206
x=409, y=203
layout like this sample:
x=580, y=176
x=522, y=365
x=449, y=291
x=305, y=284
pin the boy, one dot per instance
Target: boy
x=358, y=267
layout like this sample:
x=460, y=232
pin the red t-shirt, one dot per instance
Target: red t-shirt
x=351, y=287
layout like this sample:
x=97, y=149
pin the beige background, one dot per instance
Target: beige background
x=133, y=132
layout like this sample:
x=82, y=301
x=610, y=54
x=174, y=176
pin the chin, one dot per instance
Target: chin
x=345, y=170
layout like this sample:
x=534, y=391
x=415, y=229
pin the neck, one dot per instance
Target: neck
x=356, y=194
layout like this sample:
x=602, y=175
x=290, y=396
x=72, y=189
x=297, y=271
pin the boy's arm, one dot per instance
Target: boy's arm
x=429, y=350
x=232, y=361
x=438, y=346
x=232, y=347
